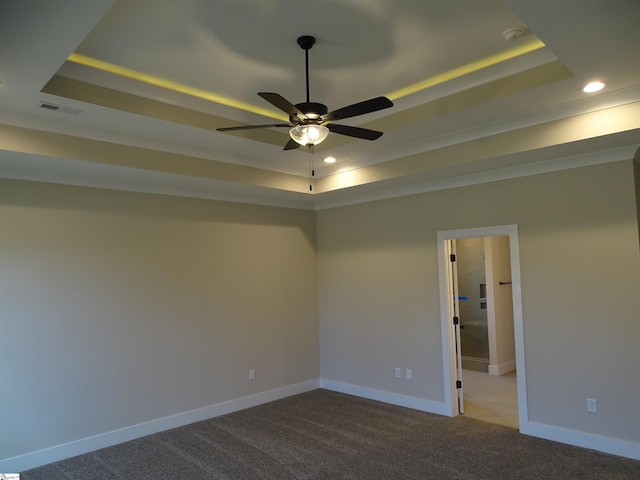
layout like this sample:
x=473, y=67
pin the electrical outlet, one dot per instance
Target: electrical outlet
x=408, y=374
x=252, y=374
x=398, y=373
x=592, y=407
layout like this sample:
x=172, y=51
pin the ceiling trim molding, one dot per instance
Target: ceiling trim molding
x=172, y=85
x=62, y=171
x=548, y=166
x=37, y=142
x=609, y=122
x=31, y=167
x=127, y=102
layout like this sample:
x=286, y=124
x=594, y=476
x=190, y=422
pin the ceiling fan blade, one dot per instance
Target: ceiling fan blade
x=249, y=127
x=357, y=132
x=368, y=106
x=282, y=103
x=291, y=145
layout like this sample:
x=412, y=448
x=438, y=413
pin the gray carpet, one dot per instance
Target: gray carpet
x=327, y=435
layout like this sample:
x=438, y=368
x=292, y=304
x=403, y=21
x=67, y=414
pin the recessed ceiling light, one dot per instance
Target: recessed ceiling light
x=330, y=160
x=593, y=87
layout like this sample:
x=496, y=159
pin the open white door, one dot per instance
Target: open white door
x=455, y=309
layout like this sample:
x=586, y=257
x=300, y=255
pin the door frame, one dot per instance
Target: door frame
x=448, y=331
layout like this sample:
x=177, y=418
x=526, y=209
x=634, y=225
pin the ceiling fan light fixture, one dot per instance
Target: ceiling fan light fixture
x=307, y=120
x=307, y=135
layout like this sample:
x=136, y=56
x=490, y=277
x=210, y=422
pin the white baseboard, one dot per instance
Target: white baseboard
x=89, y=444
x=35, y=459
x=614, y=446
x=387, y=397
x=502, y=368
x=601, y=443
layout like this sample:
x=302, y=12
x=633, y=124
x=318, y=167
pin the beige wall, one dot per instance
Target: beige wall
x=636, y=170
x=580, y=272
x=120, y=308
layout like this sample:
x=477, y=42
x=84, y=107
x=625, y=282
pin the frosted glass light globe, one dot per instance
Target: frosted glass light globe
x=309, y=134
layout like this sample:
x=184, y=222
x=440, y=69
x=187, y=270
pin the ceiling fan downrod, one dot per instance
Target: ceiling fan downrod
x=306, y=42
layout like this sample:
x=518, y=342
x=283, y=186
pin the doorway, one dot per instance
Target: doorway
x=483, y=270
x=491, y=346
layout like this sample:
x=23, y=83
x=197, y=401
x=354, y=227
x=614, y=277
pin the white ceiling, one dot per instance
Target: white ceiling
x=482, y=108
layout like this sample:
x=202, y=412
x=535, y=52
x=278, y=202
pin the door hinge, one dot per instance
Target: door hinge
x=456, y=320
x=458, y=383
x=452, y=257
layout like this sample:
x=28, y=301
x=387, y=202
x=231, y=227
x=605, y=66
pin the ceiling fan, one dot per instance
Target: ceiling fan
x=311, y=122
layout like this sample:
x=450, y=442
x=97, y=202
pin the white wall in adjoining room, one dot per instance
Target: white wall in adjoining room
x=502, y=349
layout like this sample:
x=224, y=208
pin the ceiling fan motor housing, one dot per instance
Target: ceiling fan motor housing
x=312, y=112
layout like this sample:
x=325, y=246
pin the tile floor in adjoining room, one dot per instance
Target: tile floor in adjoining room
x=491, y=398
